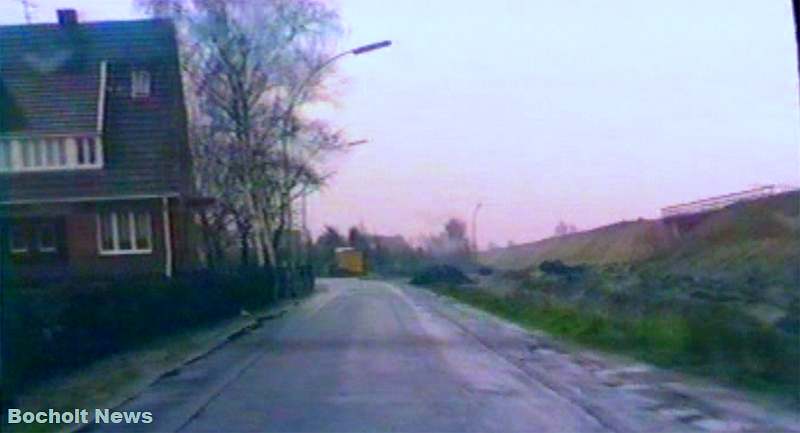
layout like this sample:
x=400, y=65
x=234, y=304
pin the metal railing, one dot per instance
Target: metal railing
x=721, y=201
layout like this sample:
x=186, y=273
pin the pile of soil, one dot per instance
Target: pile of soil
x=440, y=274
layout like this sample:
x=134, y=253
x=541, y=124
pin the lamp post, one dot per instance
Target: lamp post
x=287, y=132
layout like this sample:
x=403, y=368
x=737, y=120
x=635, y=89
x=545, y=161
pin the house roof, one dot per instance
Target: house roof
x=50, y=83
x=50, y=74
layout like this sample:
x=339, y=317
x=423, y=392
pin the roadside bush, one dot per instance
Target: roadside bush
x=440, y=274
x=741, y=348
x=558, y=268
x=485, y=271
x=54, y=329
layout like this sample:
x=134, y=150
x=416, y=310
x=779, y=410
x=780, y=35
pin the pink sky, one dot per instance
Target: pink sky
x=549, y=110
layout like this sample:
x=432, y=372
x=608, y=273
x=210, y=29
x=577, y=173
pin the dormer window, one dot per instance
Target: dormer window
x=140, y=84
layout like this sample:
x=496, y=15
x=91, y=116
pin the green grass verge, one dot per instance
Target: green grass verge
x=715, y=343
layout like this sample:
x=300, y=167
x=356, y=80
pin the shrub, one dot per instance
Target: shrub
x=54, y=329
x=485, y=271
x=558, y=268
x=440, y=274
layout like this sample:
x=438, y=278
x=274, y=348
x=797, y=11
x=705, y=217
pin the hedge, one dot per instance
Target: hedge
x=50, y=330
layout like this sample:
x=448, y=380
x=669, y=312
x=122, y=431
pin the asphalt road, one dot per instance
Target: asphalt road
x=373, y=356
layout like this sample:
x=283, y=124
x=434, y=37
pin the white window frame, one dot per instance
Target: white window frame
x=64, y=151
x=40, y=247
x=141, y=84
x=115, y=230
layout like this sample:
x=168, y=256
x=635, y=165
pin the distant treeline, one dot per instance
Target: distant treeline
x=394, y=255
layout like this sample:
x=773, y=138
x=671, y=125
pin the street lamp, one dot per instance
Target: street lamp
x=371, y=47
x=286, y=133
x=357, y=143
x=364, y=49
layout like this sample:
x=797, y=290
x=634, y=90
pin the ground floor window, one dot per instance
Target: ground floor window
x=46, y=238
x=31, y=236
x=125, y=232
x=19, y=239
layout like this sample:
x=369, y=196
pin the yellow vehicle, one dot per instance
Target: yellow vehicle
x=349, y=261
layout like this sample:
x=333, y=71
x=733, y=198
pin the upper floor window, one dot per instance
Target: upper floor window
x=52, y=153
x=140, y=84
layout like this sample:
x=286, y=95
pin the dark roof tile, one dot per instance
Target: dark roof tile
x=50, y=74
x=49, y=82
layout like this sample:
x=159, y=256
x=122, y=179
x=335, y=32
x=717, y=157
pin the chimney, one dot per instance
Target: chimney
x=67, y=17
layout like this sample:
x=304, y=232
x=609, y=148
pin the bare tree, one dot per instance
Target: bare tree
x=456, y=229
x=27, y=8
x=563, y=228
x=451, y=245
x=251, y=68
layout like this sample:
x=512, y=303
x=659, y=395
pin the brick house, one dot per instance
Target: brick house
x=94, y=158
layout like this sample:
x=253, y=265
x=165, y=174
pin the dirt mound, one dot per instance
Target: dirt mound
x=623, y=242
x=765, y=232
x=440, y=274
